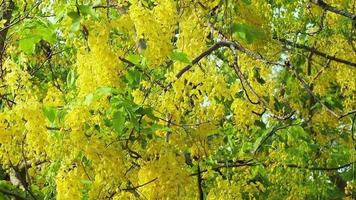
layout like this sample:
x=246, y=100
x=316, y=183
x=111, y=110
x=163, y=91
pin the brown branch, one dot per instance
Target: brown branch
x=270, y=134
x=353, y=131
x=321, y=71
x=216, y=46
x=183, y=125
x=85, y=171
x=316, y=52
x=238, y=163
x=321, y=168
x=142, y=71
x=227, y=44
x=5, y=98
x=249, y=163
x=347, y=113
x=287, y=65
x=200, y=183
x=106, y=6
x=307, y=88
x=18, y=19
x=315, y=168
x=238, y=72
x=333, y=9
x=233, y=46
x=136, y=187
x=310, y=92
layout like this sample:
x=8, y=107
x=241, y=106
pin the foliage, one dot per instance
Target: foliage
x=168, y=99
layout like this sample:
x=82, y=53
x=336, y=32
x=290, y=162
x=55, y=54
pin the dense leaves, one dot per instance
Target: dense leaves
x=177, y=99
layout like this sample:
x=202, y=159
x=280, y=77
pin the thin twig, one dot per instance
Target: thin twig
x=321, y=168
x=316, y=52
x=270, y=134
x=139, y=186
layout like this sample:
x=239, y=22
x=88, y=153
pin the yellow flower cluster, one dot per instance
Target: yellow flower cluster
x=69, y=184
x=100, y=66
x=169, y=178
x=54, y=97
x=155, y=28
x=243, y=113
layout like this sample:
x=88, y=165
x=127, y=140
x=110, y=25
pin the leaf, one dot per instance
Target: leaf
x=87, y=10
x=133, y=77
x=134, y=58
x=88, y=99
x=148, y=111
x=50, y=113
x=257, y=76
x=259, y=139
x=34, y=32
x=156, y=127
x=119, y=121
x=180, y=56
x=28, y=44
x=48, y=34
x=247, y=32
x=71, y=78
x=104, y=91
x=73, y=15
x=75, y=21
x=260, y=124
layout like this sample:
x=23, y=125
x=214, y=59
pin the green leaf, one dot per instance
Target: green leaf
x=28, y=44
x=88, y=99
x=71, y=78
x=146, y=111
x=119, y=121
x=104, y=91
x=156, y=127
x=50, y=113
x=46, y=31
x=75, y=25
x=75, y=21
x=73, y=15
x=257, y=76
x=87, y=10
x=260, y=124
x=135, y=59
x=247, y=32
x=133, y=77
x=180, y=56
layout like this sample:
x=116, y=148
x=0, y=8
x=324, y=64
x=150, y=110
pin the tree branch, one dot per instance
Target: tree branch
x=200, y=186
x=307, y=88
x=333, y=9
x=316, y=52
x=216, y=46
x=321, y=168
x=287, y=65
x=136, y=187
x=347, y=113
x=270, y=134
x=227, y=44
